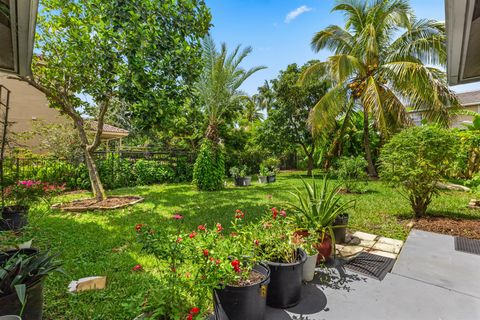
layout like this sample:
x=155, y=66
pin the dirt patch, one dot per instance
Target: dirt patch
x=253, y=278
x=453, y=227
x=92, y=204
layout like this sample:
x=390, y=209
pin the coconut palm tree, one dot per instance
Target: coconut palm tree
x=382, y=65
x=252, y=110
x=219, y=84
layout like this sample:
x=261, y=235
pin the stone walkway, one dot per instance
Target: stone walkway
x=429, y=281
x=366, y=242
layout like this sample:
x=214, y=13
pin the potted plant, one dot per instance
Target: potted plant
x=284, y=257
x=239, y=174
x=20, y=197
x=271, y=168
x=340, y=227
x=316, y=209
x=264, y=172
x=308, y=243
x=21, y=281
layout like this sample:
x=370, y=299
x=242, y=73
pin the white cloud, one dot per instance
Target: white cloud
x=295, y=13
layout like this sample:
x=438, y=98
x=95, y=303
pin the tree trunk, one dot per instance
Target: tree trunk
x=97, y=186
x=310, y=163
x=372, y=172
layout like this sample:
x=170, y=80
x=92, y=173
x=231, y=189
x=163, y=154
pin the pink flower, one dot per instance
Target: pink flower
x=179, y=239
x=177, y=217
x=137, y=268
x=239, y=214
x=219, y=227
x=192, y=235
x=202, y=227
x=283, y=213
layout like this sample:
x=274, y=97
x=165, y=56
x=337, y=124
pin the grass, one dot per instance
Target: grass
x=103, y=243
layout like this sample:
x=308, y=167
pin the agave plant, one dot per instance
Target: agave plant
x=317, y=207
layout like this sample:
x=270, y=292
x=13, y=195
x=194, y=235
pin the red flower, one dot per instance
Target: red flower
x=202, y=227
x=236, y=265
x=194, y=311
x=239, y=214
x=177, y=216
x=219, y=227
x=283, y=213
x=179, y=239
x=192, y=235
x=217, y=262
x=190, y=317
x=274, y=212
x=138, y=227
x=205, y=252
x=256, y=242
x=137, y=267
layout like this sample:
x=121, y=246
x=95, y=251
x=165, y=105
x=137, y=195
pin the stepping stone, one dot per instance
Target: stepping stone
x=349, y=251
x=391, y=241
x=367, y=243
x=365, y=236
x=384, y=254
x=386, y=247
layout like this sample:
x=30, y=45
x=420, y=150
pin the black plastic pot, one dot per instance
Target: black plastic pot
x=10, y=305
x=243, y=181
x=271, y=179
x=13, y=218
x=240, y=303
x=285, y=286
x=340, y=232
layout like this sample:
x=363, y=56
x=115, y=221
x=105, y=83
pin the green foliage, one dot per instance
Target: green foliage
x=270, y=166
x=209, y=169
x=351, y=171
x=239, y=172
x=467, y=162
x=415, y=160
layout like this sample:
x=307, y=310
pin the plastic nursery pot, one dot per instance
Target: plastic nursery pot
x=324, y=249
x=285, y=288
x=309, y=267
x=243, y=181
x=13, y=218
x=11, y=305
x=271, y=179
x=240, y=303
x=10, y=317
x=262, y=179
x=340, y=232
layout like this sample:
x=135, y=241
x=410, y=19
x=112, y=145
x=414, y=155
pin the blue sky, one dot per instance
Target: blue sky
x=280, y=31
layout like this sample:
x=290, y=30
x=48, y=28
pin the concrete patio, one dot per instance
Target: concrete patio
x=430, y=280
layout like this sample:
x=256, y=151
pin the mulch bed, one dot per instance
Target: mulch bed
x=89, y=204
x=453, y=227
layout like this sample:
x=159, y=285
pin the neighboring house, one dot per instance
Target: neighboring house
x=28, y=105
x=470, y=101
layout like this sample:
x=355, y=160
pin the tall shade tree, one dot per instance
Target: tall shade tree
x=94, y=52
x=219, y=92
x=381, y=66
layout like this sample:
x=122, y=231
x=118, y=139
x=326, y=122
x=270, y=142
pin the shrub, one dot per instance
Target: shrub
x=351, y=171
x=416, y=159
x=239, y=172
x=209, y=169
x=149, y=172
x=270, y=166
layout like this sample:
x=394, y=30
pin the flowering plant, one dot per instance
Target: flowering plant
x=26, y=192
x=275, y=237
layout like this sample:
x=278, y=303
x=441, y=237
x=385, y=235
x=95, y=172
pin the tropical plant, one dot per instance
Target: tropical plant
x=239, y=172
x=218, y=89
x=270, y=166
x=19, y=271
x=382, y=65
x=416, y=160
x=24, y=193
x=316, y=208
x=209, y=168
x=351, y=171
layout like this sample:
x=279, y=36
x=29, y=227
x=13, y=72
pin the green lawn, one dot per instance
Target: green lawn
x=103, y=243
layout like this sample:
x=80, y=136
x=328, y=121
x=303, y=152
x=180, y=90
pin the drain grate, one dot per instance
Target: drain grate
x=467, y=245
x=371, y=265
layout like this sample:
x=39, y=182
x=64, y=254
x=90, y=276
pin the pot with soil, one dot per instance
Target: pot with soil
x=284, y=290
x=14, y=218
x=246, y=300
x=339, y=227
x=243, y=181
x=262, y=179
x=35, y=267
x=271, y=179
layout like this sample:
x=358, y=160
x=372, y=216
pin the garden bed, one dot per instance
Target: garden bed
x=454, y=227
x=116, y=202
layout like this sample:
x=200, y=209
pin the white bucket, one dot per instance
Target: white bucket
x=309, y=268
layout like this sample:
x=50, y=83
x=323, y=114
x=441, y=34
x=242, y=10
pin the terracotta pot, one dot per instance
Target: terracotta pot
x=324, y=249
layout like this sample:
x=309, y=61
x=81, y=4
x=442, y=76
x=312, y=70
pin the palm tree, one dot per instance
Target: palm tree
x=219, y=84
x=381, y=66
x=252, y=110
x=265, y=97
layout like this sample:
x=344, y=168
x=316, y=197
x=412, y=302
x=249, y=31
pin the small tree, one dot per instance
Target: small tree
x=416, y=159
x=95, y=52
x=351, y=171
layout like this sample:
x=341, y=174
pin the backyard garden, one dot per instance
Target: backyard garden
x=220, y=203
